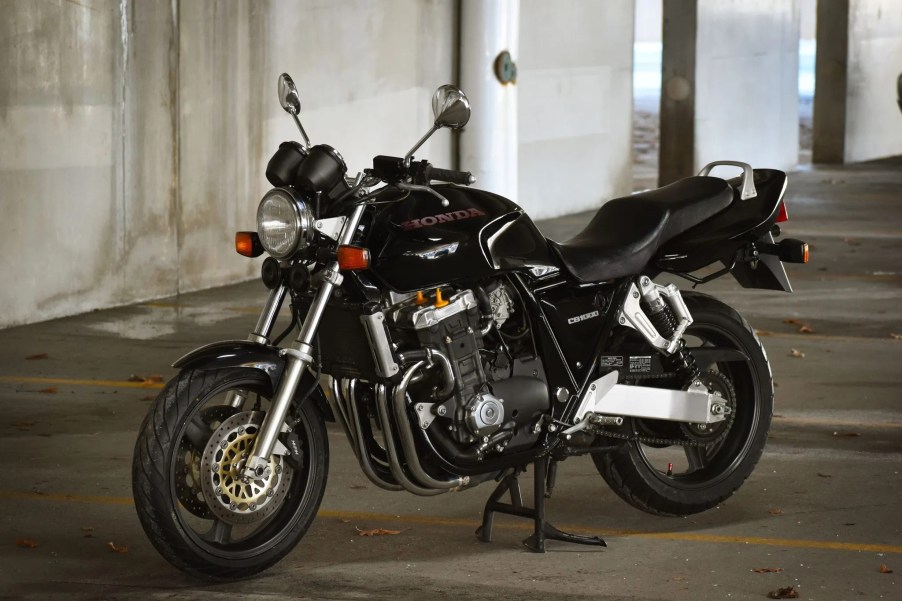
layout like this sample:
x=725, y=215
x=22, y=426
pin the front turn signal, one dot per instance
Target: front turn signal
x=248, y=244
x=353, y=258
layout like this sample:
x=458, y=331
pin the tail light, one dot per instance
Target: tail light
x=782, y=215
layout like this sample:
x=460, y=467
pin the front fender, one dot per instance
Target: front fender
x=242, y=353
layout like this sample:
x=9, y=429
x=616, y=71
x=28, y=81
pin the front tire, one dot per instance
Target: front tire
x=705, y=475
x=224, y=528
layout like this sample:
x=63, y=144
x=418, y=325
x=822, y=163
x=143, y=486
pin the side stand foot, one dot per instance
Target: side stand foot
x=543, y=530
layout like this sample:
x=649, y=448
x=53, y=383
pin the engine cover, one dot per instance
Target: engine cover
x=485, y=414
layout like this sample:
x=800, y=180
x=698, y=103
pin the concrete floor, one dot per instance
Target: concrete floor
x=823, y=506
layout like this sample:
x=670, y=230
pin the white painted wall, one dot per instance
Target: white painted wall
x=873, y=122
x=746, y=82
x=575, y=104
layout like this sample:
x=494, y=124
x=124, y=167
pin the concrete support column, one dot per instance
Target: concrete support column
x=576, y=102
x=729, y=86
x=855, y=113
x=488, y=146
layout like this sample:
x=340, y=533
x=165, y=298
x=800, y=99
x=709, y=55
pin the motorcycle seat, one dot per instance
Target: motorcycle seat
x=626, y=232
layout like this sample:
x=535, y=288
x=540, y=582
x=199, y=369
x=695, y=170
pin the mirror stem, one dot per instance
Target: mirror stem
x=409, y=155
x=301, y=127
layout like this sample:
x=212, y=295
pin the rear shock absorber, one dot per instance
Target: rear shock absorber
x=665, y=321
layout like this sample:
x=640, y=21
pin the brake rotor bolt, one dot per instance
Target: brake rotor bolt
x=278, y=469
x=215, y=467
x=233, y=506
x=253, y=507
x=241, y=429
x=223, y=445
x=270, y=493
x=218, y=490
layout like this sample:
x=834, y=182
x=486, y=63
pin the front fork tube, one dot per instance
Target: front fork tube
x=260, y=335
x=297, y=360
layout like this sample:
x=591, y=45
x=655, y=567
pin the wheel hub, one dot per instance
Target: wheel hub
x=716, y=383
x=230, y=497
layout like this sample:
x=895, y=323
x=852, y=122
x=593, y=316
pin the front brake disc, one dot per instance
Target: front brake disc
x=230, y=497
x=188, y=464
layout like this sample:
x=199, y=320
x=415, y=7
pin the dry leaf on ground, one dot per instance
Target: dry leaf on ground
x=26, y=543
x=764, y=332
x=50, y=390
x=796, y=353
x=806, y=329
x=784, y=593
x=37, y=357
x=776, y=511
x=376, y=532
x=847, y=434
x=824, y=475
x=767, y=570
x=896, y=336
x=792, y=321
x=117, y=548
x=135, y=378
x=154, y=379
x=884, y=569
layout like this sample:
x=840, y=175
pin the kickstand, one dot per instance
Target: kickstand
x=543, y=530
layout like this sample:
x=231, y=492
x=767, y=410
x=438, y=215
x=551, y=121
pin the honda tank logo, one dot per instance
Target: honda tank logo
x=583, y=317
x=431, y=220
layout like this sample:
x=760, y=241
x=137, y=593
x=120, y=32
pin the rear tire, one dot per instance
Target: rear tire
x=192, y=528
x=638, y=472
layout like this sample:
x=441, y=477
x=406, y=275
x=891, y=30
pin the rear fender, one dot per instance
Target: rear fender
x=242, y=353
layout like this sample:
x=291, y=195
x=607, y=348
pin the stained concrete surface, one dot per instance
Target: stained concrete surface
x=822, y=506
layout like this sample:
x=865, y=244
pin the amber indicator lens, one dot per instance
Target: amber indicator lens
x=353, y=258
x=248, y=244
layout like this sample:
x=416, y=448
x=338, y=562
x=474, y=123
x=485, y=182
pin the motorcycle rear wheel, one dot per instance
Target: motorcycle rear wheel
x=216, y=529
x=682, y=480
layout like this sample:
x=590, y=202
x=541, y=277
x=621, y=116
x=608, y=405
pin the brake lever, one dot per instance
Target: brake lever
x=419, y=188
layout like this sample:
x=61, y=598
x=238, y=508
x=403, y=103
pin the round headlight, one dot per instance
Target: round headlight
x=283, y=222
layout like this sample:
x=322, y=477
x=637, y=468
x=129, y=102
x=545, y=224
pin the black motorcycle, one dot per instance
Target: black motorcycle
x=455, y=344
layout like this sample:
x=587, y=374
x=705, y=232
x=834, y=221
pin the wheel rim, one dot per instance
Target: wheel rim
x=699, y=467
x=217, y=536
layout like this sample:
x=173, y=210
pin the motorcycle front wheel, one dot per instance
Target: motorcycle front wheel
x=196, y=510
x=709, y=462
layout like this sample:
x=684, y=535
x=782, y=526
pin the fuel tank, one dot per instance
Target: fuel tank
x=416, y=243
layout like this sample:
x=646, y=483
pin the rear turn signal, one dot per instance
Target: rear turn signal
x=793, y=251
x=248, y=244
x=353, y=258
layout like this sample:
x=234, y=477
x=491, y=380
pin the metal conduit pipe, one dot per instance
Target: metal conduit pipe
x=362, y=456
x=394, y=462
x=410, y=452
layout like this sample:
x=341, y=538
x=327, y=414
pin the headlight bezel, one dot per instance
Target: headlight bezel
x=283, y=213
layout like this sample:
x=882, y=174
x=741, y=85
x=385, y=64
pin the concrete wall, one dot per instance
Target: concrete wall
x=730, y=84
x=134, y=134
x=87, y=183
x=856, y=117
x=575, y=103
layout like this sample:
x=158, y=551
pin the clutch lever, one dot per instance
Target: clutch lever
x=419, y=188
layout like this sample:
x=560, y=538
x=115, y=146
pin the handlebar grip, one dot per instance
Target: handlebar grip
x=450, y=175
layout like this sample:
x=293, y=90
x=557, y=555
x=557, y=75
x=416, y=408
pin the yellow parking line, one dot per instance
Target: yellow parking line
x=76, y=382
x=520, y=525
